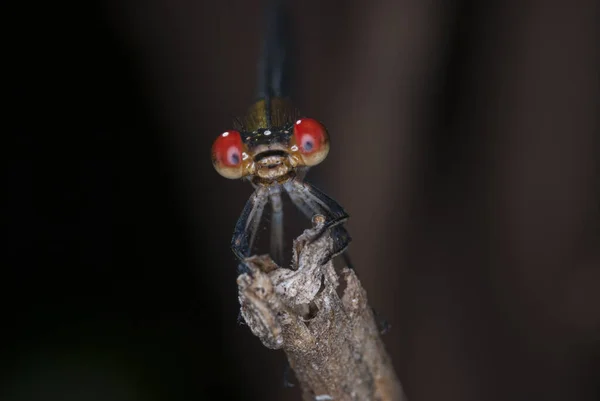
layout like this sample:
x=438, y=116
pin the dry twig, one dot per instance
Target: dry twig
x=326, y=328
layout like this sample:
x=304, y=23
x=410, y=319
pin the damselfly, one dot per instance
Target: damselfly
x=273, y=147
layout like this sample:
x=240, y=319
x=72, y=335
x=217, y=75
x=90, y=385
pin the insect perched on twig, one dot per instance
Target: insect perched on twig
x=273, y=147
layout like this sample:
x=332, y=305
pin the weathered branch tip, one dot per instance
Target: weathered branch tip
x=327, y=330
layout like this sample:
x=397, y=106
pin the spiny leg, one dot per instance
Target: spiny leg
x=312, y=201
x=276, y=226
x=301, y=204
x=247, y=225
x=309, y=213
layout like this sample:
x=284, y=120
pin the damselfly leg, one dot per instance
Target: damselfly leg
x=308, y=199
x=276, y=225
x=248, y=223
x=311, y=201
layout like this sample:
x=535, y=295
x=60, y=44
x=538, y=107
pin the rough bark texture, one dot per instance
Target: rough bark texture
x=321, y=320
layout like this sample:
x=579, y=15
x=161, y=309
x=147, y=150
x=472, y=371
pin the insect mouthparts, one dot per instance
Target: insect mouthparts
x=271, y=155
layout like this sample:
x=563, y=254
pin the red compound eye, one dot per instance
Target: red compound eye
x=227, y=153
x=312, y=140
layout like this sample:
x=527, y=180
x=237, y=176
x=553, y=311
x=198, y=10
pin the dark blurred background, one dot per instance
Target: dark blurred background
x=465, y=148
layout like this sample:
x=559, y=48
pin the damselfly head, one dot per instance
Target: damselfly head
x=272, y=155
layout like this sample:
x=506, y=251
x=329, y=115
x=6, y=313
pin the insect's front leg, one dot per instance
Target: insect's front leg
x=311, y=201
x=247, y=225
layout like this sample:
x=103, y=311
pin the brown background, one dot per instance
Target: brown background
x=464, y=145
